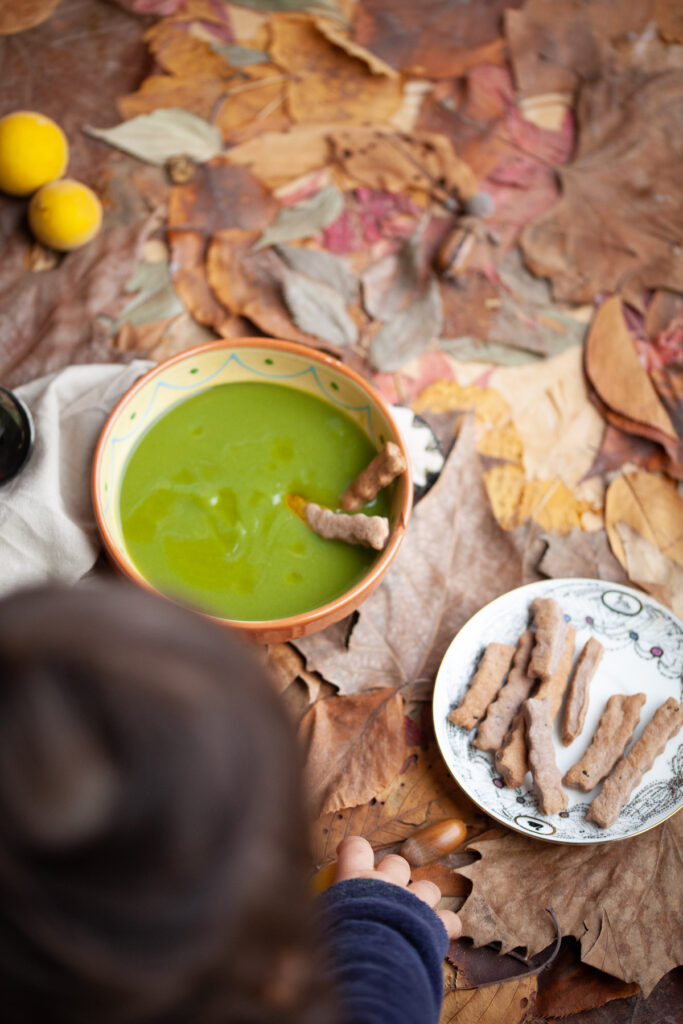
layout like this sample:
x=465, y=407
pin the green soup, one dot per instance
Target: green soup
x=203, y=502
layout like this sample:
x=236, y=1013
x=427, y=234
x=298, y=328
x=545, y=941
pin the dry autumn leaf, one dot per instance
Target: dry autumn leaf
x=354, y=747
x=509, y=1001
x=422, y=793
x=618, y=448
x=318, y=309
x=650, y=569
x=432, y=38
x=651, y=506
x=454, y=559
x=249, y=283
x=326, y=83
x=568, y=986
x=619, y=222
x=409, y=333
x=615, y=371
x=615, y=898
x=580, y=554
x=20, y=17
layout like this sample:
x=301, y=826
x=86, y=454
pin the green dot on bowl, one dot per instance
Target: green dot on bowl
x=133, y=415
x=269, y=362
x=382, y=439
x=334, y=385
x=195, y=369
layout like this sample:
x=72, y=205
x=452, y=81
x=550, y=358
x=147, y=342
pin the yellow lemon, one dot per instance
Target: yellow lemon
x=33, y=151
x=65, y=214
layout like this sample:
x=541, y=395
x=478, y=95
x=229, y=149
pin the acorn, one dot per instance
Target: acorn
x=434, y=841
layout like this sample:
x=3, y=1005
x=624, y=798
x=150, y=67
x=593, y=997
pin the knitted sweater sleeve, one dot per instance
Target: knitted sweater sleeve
x=385, y=948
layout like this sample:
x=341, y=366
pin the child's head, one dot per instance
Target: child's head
x=153, y=857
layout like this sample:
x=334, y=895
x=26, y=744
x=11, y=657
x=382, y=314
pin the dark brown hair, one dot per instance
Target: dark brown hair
x=153, y=854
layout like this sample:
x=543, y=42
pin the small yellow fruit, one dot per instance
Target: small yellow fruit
x=33, y=151
x=65, y=214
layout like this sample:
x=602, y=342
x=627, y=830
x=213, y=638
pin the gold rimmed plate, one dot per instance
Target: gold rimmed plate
x=643, y=653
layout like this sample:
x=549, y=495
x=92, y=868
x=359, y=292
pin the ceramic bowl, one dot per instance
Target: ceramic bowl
x=229, y=361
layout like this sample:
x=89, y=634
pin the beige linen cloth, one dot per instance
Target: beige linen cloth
x=47, y=525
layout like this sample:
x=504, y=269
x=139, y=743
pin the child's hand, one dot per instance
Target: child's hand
x=355, y=859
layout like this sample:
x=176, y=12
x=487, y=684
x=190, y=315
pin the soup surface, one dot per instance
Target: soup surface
x=203, y=502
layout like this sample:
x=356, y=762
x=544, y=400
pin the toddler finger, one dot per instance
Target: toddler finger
x=426, y=891
x=451, y=923
x=396, y=869
x=354, y=857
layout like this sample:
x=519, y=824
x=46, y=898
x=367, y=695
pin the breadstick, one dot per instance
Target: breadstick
x=511, y=760
x=551, y=630
x=385, y=466
x=610, y=739
x=509, y=699
x=369, y=531
x=627, y=773
x=577, y=699
x=485, y=682
x=546, y=775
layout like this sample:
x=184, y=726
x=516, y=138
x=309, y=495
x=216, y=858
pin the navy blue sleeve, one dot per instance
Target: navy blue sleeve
x=385, y=948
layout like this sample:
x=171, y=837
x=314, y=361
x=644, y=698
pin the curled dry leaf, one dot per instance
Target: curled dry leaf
x=569, y=986
x=620, y=218
x=615, y=898
x=325, y=83
x=581, y=554
x=338, y=35
x=318, y=309
x=354, y=747
x=453, y=560
x=430, y=39
x=615, y=371
x=618, y=448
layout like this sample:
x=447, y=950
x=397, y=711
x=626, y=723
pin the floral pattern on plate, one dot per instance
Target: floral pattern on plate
x=643, y=653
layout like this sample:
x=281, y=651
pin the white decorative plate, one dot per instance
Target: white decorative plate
x=643, y=644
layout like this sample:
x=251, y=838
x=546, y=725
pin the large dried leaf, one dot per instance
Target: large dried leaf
x=326, y=83
x=618, y=448
x=354, y=747
x=454, y=559
x=304, y=219
x=28, y=14
x=409, y=332
x=422, y=793
x=51, y=319
x=615, y=898
x=651, y=506
x=318, y=309
x=614, y=370
x=508, y=1001
x=276, y=158
x=255, y=106
x=198, y=95
x=620, y=219
x=430, y=38
x=165, y=133
x=248, y=282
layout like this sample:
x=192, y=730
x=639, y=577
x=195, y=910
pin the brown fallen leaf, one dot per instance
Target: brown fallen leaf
x=42, y=331
x=432, y=39
x=354, y=747
x=614, y=370
x=454, y=559
x=651, y=506
x=248, y=282
x=19, y=18
x=615, y=898
x=409, y=333
x=326, y=83
x=509, y=1001
x=556, y=44
x=179, y=51
x=382, y=158
x=669, y=19
x=580, y=554
x=340, y=37
x=618, y=448
x=276, y=158
x=650, y=569
x=188, y=252
x=286, y=665
x=612, y=231
x=199, y=95
x=254, y=104
x=422, y=793
x=569, y=986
